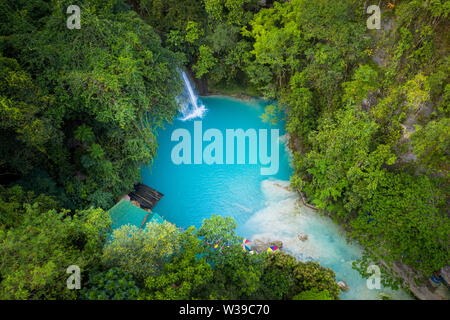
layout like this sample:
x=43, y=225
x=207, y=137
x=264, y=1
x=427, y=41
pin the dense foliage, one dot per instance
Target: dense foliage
x=202, y=271
x=141, y=252
x=83, y=106
x=40, y=241
x=366, y=112
x=113, y=284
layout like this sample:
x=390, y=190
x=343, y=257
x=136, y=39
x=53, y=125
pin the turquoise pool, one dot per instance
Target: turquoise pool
x=263, y=206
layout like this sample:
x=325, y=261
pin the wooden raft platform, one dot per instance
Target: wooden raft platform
x=146, y=196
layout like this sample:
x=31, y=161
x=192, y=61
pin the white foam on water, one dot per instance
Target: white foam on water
x=284, y=217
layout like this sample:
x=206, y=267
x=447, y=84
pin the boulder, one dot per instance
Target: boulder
x=423, y=291
x=125, y=197
x=303, y=237
x=343, y=285
x=259, y=246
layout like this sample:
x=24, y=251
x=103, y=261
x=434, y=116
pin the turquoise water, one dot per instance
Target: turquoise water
x=263, y=206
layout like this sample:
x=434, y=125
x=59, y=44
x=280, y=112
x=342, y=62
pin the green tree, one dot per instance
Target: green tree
x=237, y=12
x=344, y=167
x=431, y=144
x=241, y=275
x=286, y=278
x=89, y=118
x=364, y=81
x=302, y=36
x=236, y=274
x=193, y=33
x=142, y=252
x=112, y=284
x=313, y=294
x=40, y=247
x=206, y=61
x=24, y=132
x=405, y=220
x=185, y=276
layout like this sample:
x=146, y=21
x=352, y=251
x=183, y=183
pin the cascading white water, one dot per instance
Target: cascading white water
x=191, y=104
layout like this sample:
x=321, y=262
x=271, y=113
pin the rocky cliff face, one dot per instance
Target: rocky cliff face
x=201, y=85
x=425, y=290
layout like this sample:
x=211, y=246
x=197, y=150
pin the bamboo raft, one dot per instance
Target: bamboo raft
x=145, y=196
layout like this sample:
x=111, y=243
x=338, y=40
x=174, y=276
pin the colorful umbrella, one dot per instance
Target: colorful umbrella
x=273, y=249
x=246, y=245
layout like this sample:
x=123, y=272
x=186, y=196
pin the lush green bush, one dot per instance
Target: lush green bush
x=406, y=221
x=84, y=104
x=200, y=270
x=359, y=163
x=186, y=276
x=285, y=278
x=112, y=284
x=142, y=252
x=79, y=109
x=43, y=243
x=313, y=294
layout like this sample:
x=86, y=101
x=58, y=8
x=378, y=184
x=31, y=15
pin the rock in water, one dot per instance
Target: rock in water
x=343, y=285
x=260, y=246
x=303, y=237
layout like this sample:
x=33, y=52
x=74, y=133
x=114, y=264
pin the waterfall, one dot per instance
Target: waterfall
x=191, y=105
